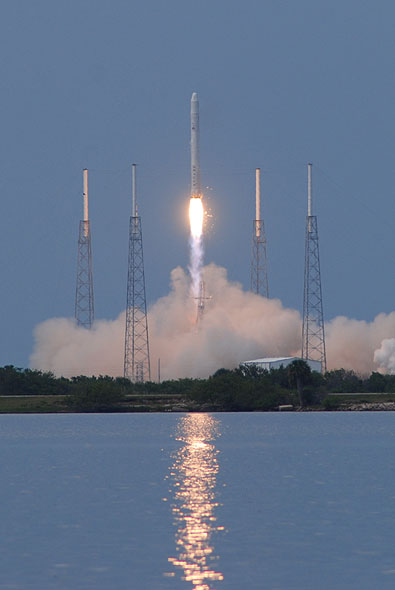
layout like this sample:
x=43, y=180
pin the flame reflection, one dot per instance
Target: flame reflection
x=194, y=479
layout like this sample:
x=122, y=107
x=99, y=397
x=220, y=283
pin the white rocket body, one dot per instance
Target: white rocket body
x=196, y=189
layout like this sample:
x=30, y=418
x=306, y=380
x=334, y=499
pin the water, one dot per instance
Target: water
x=198, y=501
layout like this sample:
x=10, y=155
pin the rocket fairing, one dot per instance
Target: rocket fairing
x=196, y=189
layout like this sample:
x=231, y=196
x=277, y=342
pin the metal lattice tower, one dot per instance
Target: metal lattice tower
x=313, y=331
x=259, y=282
x=201, y=302
x=84, y=307
x=137, y=358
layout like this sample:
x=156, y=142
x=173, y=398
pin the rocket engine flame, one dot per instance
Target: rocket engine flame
x=196, y=214
x=196, y=217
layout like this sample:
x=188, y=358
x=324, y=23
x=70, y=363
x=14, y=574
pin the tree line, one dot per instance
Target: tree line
x=240, y=389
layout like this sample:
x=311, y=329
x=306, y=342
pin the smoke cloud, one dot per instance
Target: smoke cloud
x=385, y=356
x=237, y=326
x=352, y=344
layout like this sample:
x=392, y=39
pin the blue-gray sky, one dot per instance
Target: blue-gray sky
x=102, y=84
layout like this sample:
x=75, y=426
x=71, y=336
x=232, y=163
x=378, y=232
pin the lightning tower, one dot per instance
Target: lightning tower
x=137, y=357
x=84, y=309
x=313, y=331
x=259, y=282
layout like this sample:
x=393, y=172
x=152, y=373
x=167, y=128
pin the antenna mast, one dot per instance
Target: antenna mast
x=137, y=357
x=313, y=331
x=259, y=281
x=84, y=308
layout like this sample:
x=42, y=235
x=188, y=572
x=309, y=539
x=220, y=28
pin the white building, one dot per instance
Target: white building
x=276, y=363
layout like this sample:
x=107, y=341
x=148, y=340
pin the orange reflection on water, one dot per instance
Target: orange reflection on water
x=194, y=479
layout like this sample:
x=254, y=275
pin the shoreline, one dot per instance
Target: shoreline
x=58, y=404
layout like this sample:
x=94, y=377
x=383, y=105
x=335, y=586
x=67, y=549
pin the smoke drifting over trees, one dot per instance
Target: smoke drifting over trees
x=237, y=326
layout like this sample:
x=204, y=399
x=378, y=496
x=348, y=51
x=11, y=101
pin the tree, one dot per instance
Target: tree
x=99, y=395
x=376, y=383
x=343, y=381
x=299, y=374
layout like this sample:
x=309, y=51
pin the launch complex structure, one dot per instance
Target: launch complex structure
x=84, y=307
x=137, y=365
x=313, y=330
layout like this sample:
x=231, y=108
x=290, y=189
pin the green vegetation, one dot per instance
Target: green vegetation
x=242, y=389
x=33, y=404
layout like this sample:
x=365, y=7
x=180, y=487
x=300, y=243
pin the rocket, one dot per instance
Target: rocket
x=196, y=189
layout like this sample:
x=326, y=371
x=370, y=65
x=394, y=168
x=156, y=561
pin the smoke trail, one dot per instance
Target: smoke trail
x=196, y=262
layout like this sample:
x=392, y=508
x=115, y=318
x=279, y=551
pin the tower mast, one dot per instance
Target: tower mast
x=84, y=307
x=136, y=357
x=259, y=280
x=313, y=331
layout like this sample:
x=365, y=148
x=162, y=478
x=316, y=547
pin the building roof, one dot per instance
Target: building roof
x=273, y=360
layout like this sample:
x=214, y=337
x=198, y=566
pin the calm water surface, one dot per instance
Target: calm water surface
x=198, y=501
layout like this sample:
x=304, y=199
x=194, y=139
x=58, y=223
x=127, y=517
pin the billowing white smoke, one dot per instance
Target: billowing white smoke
x=237, y=326
x=352, y=344
x=69, y=350
x=385, y=356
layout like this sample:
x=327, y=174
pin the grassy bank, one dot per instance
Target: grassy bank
x=50, y=404
x=46, y=404
x=33, y=404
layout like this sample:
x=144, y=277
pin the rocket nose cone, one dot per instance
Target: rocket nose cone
x=194, y=96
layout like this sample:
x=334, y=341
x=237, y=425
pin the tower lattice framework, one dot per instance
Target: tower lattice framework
x=84, y=304
x=201, y=302
x=313, y=331
x=259, y=280
x=137, y=358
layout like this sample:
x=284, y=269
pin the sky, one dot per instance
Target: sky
x=100, y=84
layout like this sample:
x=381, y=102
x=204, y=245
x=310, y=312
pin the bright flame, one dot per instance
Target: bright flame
x=196, y=214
